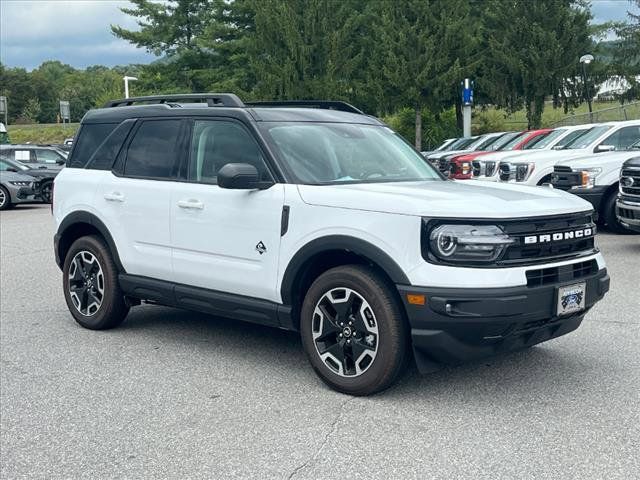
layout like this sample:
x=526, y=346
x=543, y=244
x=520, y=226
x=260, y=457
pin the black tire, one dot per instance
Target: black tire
x=608, y=213
x=45, y=191
x=5, y=199
x=112, y=310
x=391, y=340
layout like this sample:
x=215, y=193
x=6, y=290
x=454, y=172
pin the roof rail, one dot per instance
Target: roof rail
x=212, y=99
x=324, y=104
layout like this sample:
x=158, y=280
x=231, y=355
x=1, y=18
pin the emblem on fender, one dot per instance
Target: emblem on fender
x=558, y=236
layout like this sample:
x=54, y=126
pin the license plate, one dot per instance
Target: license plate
x=571, y=298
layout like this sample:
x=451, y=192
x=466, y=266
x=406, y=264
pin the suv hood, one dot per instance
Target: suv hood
x=450, y=199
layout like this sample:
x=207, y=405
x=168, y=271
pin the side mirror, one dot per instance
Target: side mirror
x=604, y=148
x=60, y=162
x=240, y=176
x=11, y=169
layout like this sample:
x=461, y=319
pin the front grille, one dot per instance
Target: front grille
x=523, y=252
x=564, y=273
x=630, y=175
x=564, y=178
x=628, y=213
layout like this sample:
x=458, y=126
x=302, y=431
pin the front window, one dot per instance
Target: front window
x=583, y=141
x=335, y=153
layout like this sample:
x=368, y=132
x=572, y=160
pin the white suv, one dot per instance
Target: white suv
x=312, y=216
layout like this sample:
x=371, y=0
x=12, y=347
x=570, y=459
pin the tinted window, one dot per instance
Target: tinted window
x=48, y=156
x=570, y=138
x=216, y=143
x=623, y=138
x=89, y=139
x=153, y=152
x=107, y=152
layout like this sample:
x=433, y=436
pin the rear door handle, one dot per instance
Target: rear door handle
x=114, y=197
x=191, y=204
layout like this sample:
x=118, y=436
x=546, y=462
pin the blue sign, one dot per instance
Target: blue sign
x=467, y=92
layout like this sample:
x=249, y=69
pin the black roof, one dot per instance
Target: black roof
x=228, y=105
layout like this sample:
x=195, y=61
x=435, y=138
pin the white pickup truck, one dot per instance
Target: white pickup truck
x=537, y=168
x=596, y=179
x=487, y=167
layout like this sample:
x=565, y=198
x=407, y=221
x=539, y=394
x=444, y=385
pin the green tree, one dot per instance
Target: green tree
x=532, y=51
x=31, y=111
x=420, y=53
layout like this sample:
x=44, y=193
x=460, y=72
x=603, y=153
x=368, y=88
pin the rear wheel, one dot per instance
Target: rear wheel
x=353, y=330
x=5, y=199
x=90, y=283
x=609, y=214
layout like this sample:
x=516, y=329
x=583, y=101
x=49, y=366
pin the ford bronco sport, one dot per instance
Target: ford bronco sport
x=314, y=217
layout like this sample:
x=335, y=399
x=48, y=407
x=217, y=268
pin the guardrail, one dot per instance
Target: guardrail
x=629, y=111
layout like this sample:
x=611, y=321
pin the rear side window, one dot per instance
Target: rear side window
x=153, y=151
x=89, y=138
x=107, y=152
x=48, y=156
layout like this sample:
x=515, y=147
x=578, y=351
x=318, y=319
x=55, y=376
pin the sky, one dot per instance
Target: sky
x=78, y=32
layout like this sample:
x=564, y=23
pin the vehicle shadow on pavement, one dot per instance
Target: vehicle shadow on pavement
x=246, y=345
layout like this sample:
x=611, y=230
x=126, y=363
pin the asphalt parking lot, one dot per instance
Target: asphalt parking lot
x=173, y=394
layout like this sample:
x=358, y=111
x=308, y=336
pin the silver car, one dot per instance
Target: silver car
x=15, y=188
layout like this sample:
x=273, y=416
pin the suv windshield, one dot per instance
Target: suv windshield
x=334, y=153
x=489, y=141
x=513, y=141
x=583, y=141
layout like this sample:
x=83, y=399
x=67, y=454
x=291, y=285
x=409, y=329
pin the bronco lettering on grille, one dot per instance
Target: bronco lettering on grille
x=558, y=236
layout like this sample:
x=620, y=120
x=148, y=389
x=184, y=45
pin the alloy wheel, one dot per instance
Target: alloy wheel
x=3, y=198
x=345, y=332
x=86, y=283
x=45, y=192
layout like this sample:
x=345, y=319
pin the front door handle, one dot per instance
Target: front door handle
x=114, y=197
x=191, y=204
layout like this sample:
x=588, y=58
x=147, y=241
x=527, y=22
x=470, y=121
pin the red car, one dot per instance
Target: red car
x=460, y=167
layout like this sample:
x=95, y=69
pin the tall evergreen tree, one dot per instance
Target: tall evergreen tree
x=532, y=48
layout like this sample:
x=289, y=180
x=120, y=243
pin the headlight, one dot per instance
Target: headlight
x=468, y=243
x=20, y=184
x=589, y=176
x=523, y=171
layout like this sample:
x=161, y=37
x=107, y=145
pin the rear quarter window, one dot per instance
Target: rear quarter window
x=89, y=138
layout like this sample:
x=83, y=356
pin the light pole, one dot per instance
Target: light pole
x=586, y=60
x=126, y=85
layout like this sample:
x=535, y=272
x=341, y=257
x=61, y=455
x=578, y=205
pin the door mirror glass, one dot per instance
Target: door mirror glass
x=239, y=176
x=604, y=148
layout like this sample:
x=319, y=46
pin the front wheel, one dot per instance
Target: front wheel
x=5, y=199
x=45, y=192
x=353, y=330
x=90, y=283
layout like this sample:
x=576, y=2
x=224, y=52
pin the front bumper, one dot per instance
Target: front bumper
x=458, y=324
x=628, y=212
x=24, y=195
x=592, y=195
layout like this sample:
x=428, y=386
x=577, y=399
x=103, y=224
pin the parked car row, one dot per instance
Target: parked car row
x=27, y=173
x=585, y=160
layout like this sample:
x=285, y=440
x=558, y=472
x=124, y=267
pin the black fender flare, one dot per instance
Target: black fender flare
x=87, y=218
x=355, y=245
